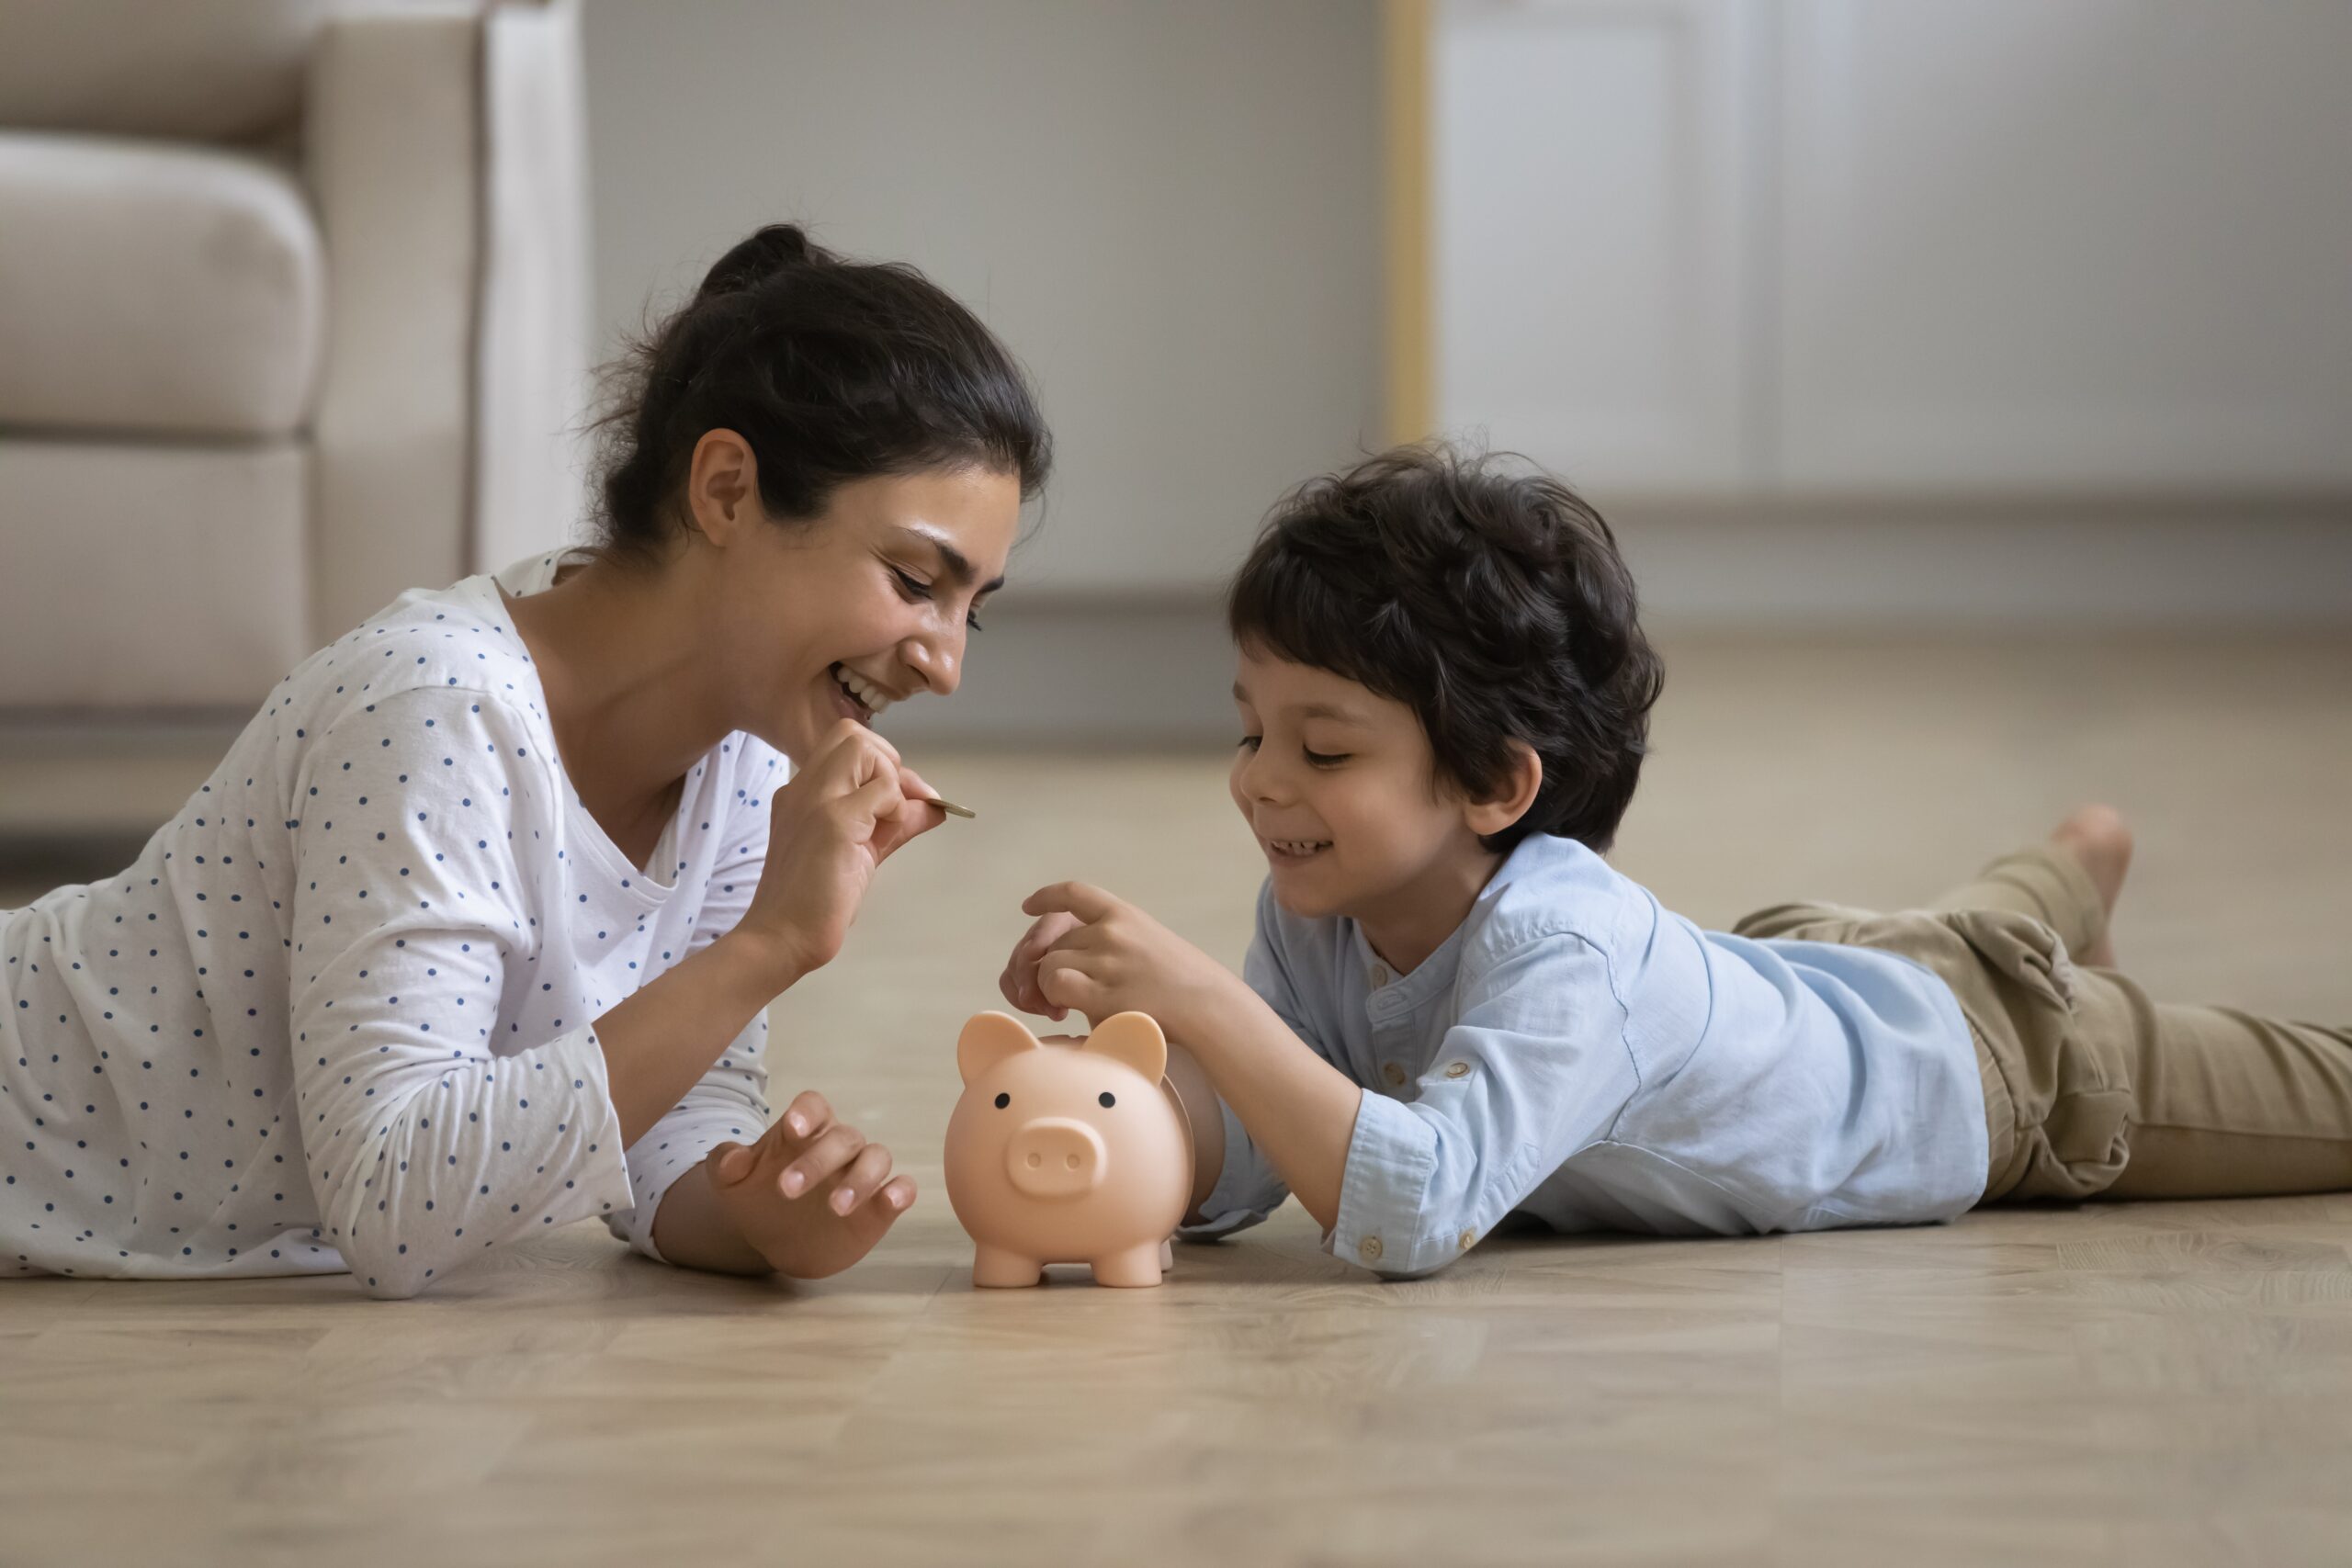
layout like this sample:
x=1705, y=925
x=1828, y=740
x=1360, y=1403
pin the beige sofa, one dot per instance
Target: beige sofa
x=293, y=314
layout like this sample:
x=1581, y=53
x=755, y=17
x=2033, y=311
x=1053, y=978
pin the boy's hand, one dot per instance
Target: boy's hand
x=811, y=1196
x=1106, y=957
x=1019, y=981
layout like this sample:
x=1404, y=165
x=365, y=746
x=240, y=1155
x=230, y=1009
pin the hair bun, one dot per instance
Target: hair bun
x=779, y=248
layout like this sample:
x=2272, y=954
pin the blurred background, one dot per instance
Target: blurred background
x=1903, y=341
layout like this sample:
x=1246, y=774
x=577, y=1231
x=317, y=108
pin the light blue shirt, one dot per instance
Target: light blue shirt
x=1577, y=1053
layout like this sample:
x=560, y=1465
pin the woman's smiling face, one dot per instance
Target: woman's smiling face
x=860, y=607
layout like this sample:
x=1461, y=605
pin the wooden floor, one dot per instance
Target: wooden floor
x=2115, y=1385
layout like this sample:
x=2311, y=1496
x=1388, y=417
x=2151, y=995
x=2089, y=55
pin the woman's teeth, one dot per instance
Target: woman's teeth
x=863, y=692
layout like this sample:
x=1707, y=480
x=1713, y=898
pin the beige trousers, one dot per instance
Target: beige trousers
x=2091, y=1088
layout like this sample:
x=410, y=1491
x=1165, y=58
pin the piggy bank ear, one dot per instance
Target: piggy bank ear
x=1133, y=1038
x=989, y=1039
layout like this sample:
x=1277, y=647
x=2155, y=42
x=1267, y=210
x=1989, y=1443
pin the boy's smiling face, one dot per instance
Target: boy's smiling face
x=1341, y=790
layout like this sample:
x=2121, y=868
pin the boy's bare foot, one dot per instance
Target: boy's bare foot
x=2097, y=838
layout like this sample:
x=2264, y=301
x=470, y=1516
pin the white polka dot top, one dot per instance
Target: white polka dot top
x=338, y=1015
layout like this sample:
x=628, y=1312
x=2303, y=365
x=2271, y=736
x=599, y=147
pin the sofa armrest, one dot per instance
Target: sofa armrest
x=392, y=142
x=534, y=341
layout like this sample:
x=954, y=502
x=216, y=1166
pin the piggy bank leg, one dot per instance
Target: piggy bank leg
x=1136, y=1266
x=1167, y=1256
x=993, y=1267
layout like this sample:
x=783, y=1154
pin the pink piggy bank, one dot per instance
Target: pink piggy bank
x=1067, y=1150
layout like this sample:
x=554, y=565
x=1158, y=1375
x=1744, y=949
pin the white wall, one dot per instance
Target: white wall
x=1169, y=210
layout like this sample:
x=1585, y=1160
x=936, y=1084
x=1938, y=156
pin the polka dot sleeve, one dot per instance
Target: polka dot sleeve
x=429, y=1140
x=728, y=1103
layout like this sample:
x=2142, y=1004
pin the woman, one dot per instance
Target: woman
x=473, y=932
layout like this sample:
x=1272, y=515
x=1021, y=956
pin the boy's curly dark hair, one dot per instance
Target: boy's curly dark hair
x=1490, y=600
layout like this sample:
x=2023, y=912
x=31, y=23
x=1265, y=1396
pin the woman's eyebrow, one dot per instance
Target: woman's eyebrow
x=953, y=563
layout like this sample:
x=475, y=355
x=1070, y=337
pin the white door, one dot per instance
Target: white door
x=1590, y=236
x=2066, y=244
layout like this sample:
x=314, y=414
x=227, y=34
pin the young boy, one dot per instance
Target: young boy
x=1454, y=1011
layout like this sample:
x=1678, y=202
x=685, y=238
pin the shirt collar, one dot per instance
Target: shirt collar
x=1389, y=993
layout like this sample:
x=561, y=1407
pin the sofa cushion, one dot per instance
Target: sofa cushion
x=150, y=577
x=154, y=290
x=209, y=70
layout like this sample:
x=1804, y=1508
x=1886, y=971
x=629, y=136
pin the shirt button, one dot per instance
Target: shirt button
x=1457, y=1069
x=1379, y=976
x=1469, y=1240
x=1369, y=1250
x=1393, y=1074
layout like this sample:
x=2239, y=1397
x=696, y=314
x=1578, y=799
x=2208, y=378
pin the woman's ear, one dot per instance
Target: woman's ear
x=1516, y=794
x=723, y=487
x=989, y=1038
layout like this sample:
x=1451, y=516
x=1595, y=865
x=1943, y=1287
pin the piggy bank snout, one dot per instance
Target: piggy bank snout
x=1056, y=1157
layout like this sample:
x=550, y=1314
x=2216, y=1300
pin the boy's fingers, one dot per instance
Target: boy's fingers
x=835, y=1147
x=1063, y=984
x=1033, y=1000
x=1048, y=932
x=1089, y=904
x=864, y=1178
x=807, y=1114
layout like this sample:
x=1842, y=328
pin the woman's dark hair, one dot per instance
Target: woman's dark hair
x=1492, y=603
x=832, y=370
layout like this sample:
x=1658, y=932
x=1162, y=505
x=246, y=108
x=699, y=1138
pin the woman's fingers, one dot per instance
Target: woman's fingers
x=862, y=1181
x=829, y=1151
x=913, y=819
x=849, y=757
x=866, y=808
x=731, y=1163
x=912, y=783
x=897, y=1196
x=809, y=1113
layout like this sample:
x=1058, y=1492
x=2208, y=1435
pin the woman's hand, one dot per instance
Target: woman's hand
x=1102, y=956
x=811, y=1196
x=829, y=827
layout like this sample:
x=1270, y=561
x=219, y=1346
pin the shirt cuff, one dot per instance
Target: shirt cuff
x=675, y=1145
x=1382, y=1194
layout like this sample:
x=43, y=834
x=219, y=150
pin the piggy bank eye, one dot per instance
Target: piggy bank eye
x=1002, y=1100
x=1107, y=1100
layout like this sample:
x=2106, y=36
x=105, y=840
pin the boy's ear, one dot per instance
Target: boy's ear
x=1518, y=793
x=1133, y=1038
x=988, y=1038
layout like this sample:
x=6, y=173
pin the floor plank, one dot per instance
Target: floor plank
x=2109, y=1386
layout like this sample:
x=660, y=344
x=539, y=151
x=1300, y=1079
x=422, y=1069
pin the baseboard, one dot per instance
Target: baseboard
x=1059, y=667
x=2059, y=565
